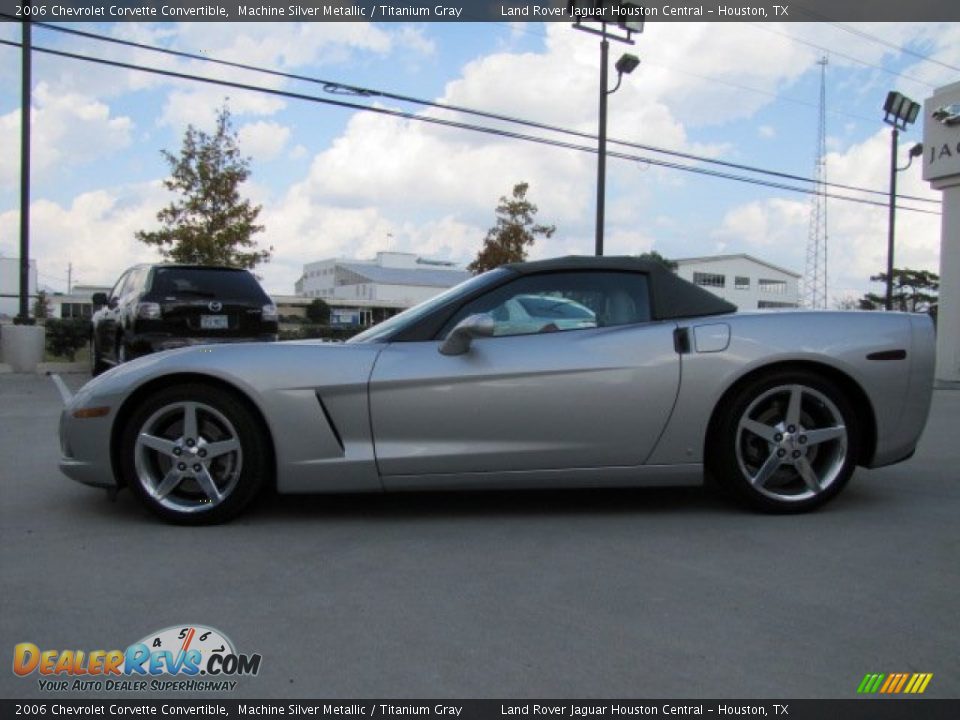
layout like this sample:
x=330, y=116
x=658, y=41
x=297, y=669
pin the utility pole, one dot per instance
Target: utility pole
x=25, y=174
x=69, y=278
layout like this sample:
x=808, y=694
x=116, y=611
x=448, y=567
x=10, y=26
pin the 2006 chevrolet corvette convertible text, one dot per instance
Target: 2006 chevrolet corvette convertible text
x=656, y=382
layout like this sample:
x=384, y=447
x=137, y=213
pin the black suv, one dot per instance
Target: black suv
x=158, y=307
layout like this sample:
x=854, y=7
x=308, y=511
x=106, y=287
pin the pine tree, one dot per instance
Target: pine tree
x=912, y=291
x=209, y=223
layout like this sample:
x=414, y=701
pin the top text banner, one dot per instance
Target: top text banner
x=476, y=11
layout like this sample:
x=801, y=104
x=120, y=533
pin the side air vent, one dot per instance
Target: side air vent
x=333, y=425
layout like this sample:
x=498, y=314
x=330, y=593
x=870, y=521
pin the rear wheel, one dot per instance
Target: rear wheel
x=194, y=454
x=788, y=442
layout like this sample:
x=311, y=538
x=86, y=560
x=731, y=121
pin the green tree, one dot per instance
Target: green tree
x=515, y=231
x=318, y=312
x=654, y=256
x=912, y=291
x=209, y=223
x=41, y=306
x=66, y=336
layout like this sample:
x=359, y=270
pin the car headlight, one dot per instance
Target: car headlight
x=148, y=310
x=269, y=312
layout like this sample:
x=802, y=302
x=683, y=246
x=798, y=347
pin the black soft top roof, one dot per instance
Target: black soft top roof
x=671, y=296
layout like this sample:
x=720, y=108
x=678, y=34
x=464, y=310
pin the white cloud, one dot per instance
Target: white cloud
x=199, y=106
x=390, y=182
x=66, y=130
x=263, y=140
x=766, y=132
x=95, y=232
x=413, y=173
x=776, y=230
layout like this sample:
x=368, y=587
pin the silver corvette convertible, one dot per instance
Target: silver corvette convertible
x=619, y=374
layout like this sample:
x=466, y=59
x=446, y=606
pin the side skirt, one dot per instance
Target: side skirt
x=610, y=477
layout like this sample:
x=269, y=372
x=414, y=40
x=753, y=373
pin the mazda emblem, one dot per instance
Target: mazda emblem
x=215, y=306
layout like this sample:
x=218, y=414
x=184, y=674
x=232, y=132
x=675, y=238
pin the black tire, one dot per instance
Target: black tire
x=771, y=461
x=97, y=365
x=172, y=476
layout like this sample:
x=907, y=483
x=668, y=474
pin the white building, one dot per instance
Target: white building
x=76, y=304
x=366, y=291
x=10, y=286
x=747, y=282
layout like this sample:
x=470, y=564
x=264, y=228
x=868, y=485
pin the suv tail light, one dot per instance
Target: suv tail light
x=148, y=310
x=269, y=312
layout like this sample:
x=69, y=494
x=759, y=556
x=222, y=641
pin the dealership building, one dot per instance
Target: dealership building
x=363, y=292
x=746, y=281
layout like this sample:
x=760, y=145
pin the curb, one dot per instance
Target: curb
x=45, y=368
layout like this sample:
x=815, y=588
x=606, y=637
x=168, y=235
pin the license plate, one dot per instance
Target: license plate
x=213, y=322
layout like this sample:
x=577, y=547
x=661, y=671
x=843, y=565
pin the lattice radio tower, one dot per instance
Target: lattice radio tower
x=815, y=271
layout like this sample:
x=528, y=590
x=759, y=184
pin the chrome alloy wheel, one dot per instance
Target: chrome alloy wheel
x=188, y=457
x=791, y=443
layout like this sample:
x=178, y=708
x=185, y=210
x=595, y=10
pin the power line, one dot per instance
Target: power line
x=769, y=93
x=335, y=87
x=894, y=46
x=452, y=124
x=836, y=53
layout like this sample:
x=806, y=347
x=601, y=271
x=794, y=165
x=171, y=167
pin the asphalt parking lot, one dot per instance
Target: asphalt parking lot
x=645, y=593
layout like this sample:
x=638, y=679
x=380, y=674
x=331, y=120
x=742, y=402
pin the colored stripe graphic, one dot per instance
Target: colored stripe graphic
x=894, y=683
x=870, y=683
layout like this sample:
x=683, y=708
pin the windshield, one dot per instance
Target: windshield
x=205, y=282
x=408, y=317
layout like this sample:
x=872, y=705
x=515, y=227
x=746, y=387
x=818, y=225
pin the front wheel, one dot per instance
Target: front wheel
x=787, y=442
x=194, y=454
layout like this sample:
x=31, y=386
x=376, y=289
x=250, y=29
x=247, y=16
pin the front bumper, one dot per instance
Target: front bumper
x=85, y=449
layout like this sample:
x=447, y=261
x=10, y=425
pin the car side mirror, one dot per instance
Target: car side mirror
x=99, y=298
x=463, y=333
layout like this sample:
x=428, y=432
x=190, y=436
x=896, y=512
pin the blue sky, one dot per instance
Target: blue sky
x=339, y=183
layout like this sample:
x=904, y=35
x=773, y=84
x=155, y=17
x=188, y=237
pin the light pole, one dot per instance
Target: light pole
x=23, y=315
x=899, y=111
x=627, y=19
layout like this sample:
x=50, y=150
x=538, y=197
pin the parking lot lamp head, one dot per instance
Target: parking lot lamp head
x=899, y=110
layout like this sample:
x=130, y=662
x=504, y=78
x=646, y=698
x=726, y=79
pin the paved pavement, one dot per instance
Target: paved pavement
x=647, y=593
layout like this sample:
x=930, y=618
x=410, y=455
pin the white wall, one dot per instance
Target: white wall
x=10, y=285
x=941, y=166
x=319, y=280
x=739, y=266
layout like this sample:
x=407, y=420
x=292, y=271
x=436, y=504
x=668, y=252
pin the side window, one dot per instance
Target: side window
x=561, y=301
x=137, y=279
x=118, y=289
